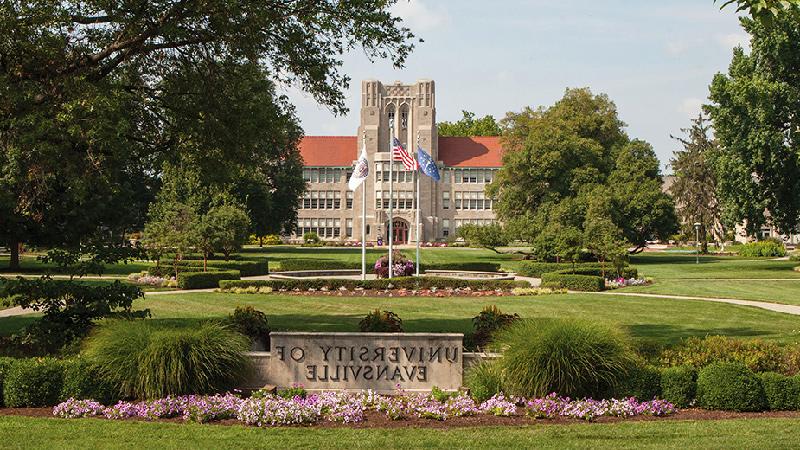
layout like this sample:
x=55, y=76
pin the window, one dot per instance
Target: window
x=458, y=200
x=445, y=227
x=337, y=200
x=473, y=200
x=349, y=200
x=349, y=227
x=446, y=200
x=404, y=119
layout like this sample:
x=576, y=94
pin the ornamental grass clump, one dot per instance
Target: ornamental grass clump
x=147, y=361
x=576, y=358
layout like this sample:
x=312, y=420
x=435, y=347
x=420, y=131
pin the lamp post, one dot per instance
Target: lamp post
x=697, y=242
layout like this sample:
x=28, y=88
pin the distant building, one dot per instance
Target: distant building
x=466, y=165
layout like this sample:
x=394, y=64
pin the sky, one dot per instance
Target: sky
x=654, y=59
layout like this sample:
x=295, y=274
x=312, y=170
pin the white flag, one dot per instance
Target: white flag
x=361, y=170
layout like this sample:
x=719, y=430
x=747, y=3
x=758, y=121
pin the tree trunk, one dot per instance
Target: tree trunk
x=205, y=261
x=261, y=241
x=14, y=262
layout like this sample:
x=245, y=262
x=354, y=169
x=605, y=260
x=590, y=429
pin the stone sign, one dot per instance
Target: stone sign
x=355, y=361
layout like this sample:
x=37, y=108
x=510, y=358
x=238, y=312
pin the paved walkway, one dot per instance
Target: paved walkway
x=777, y=307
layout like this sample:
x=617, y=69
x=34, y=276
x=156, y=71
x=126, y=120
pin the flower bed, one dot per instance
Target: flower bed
x=272, y=410
x=623, y=282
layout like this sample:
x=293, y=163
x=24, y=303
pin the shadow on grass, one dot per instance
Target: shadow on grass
x=671, y=334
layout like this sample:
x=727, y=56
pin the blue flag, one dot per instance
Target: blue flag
x=426, y=164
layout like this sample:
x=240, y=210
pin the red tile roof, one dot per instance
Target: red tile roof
x=328, y=150
x=477, y=151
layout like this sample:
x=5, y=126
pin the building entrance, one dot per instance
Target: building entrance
x=400, y=230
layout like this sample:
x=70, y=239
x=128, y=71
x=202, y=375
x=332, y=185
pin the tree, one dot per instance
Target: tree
x=487, y=236
x=229, y=225
x=695, y=184
x=765, y=11
x=470, y=126
x=754, y=110
x=559, y=160
x=94, y=99
x=604, y=240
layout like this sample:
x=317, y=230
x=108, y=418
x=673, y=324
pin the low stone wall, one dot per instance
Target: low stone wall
x=358, y=361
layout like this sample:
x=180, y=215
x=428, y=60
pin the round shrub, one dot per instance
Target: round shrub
x=31, y=383
x=575, y=358
x=642, y=382
x=484, y=380
x=83, y=381
x=679, y=385
x=730, y=386
x=251, y=323
x=146, y=361
x=381, y=322
x=782, y=392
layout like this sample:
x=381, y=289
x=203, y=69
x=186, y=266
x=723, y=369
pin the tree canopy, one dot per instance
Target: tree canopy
x=571, y=161
x=95, y=97
x=754, y=109
x=468, y=125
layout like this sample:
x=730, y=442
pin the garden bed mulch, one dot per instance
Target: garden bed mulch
x=374, y=419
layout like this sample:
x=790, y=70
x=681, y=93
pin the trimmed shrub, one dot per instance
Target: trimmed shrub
x=5, y=364
x=757, y=354
x=765, y=248
x=488, y=322
x=642, y=382
x=535, y=269
x=298, y=264
x=611, y=272
x=381, y=322
x=246, y=267
x=83, y=381
x=251, y=323
x=679, y=385
x=782, y=392
x=471, y=266
x=586, y=283
x=394, y=283
x=32, y=383
x=574, y=358
x=730, y=386
x=146, y=361
x=484, y=380
x=205, y=280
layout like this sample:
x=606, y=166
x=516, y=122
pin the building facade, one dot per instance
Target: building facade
x=408, y=112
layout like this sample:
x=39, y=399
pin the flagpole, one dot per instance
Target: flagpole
x=416, y=175
x=391, y=195
x=364, y=223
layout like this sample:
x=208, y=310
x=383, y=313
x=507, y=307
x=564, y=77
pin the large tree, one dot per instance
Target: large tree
x=468, y=125
x=96, y=96
x=765, y=11
x=755, y=110
x=695, y=182
x=563, y=162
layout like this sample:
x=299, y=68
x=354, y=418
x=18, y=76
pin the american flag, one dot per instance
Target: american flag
x=400, y=154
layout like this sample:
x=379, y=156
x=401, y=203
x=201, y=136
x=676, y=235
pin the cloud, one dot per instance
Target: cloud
x=691, y=106
x=420, y=17
x=732, y=40
x=676, y=48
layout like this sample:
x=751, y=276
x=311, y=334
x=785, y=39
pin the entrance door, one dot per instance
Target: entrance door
x=400, y=231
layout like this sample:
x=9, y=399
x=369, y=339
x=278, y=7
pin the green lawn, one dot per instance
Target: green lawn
x=51, y=433
x=29, y=264
x=785, y=291
x=662, y=266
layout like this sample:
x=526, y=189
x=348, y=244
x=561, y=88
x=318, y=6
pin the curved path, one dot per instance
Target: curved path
x=777, y=307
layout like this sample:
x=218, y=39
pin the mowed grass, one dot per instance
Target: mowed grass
x=29, y=264
x=18, y=433
x=655, y=320
x=783, y=291
x=663, y=266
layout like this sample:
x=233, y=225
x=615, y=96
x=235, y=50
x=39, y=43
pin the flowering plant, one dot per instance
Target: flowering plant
x=622, y=282
x=402, y=266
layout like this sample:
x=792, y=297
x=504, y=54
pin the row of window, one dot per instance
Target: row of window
x=472, y=175
x=401, y=175
x=323, y=200
x=325, y=228
x=402, y=200
x=327, y=174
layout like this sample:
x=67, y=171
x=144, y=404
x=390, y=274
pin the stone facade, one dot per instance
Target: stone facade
x=408, y=112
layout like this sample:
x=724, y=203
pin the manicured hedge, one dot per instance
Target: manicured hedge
x=642, y=382
x=679, y=385
x=5, y=364
x=782, y=392
x=586, y=283
x=627, y=272
x=83, y=380
x=730, y=386
x=536, y=269
x=247, y=268
x=32, y=383
x=293, y=265
x=394, y=283
x=204, y=280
